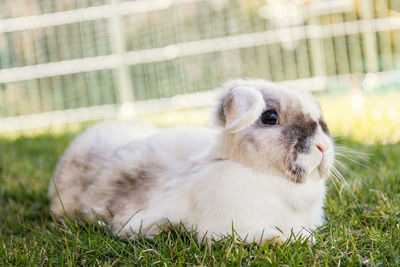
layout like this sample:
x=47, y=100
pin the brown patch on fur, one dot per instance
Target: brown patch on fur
x=66, y=193
x=131, y=181
x=324, y=126
x=298, y=173
x=79, y=164
x=272, y=103
x=136, y=182
x=297, y=133
x=296, y=137
x=82, y=165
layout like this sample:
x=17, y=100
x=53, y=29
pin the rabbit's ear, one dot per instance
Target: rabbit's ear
x=239, y=108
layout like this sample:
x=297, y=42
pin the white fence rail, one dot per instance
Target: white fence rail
x=199, y=47
x=87, y=14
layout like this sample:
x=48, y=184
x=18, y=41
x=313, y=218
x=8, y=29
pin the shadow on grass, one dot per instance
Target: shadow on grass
x=26, y=167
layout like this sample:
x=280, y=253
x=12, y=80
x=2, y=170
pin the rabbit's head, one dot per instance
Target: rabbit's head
x=274, y=129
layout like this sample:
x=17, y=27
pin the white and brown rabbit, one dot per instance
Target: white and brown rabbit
x=263, y=172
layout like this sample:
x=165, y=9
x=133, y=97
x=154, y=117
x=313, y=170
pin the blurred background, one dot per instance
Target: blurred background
x=70, y=61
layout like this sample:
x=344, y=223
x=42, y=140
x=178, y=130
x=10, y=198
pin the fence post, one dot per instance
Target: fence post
x=124, y=81
x=317, y=53
x=369, y=36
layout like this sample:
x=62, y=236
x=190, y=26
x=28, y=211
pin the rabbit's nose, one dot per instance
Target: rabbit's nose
x=320, y=148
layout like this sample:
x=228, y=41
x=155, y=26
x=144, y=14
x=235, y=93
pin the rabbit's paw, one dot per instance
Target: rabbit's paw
x=265, y=235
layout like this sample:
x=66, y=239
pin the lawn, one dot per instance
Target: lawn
x=362, y=216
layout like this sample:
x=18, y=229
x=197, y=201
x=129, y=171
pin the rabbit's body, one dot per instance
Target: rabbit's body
x=99, y=175
x=140, y=178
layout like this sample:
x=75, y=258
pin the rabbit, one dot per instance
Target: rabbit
x=260, y=171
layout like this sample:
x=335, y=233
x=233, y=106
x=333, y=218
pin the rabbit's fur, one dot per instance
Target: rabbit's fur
x=267, y=181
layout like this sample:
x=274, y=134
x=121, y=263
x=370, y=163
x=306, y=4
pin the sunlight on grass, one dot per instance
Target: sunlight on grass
x=364, y=118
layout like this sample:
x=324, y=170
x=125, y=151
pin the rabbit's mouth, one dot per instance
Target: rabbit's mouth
x=324, y=172
x=325, y=165
x=298, y=173
x=309, y=165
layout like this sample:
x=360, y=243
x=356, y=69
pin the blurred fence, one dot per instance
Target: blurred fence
x=76, y=60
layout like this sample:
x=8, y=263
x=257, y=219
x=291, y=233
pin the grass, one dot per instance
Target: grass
x=363, y=219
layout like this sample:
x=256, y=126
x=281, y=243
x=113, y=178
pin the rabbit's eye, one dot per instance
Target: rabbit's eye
x=269, y=117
